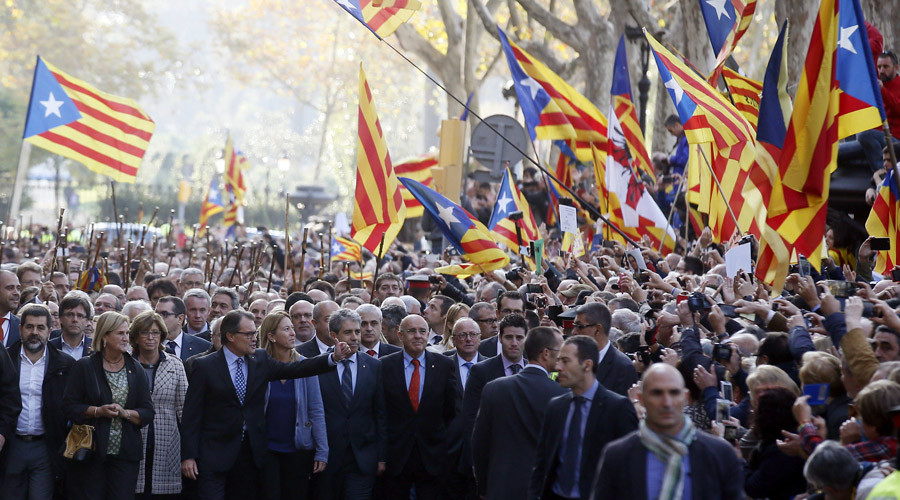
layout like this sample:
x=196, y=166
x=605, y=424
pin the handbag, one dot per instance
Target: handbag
x=79, y=443
x=80, y=439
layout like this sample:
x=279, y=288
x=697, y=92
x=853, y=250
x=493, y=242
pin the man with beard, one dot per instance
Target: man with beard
x=33, y=460
x=10, y=291
x=370, y=332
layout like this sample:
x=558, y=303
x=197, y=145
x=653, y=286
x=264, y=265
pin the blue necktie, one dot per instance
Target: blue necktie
x=572, y=459
x=515, y=369
x=347, y=381
x=468, y=365
x=240, y=384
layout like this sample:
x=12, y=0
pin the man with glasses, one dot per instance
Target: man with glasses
x=466, y=337
x=176, y=342
x=420, y=396
x=505, y=438
x=75, y=312
x=302, y=318
x=614, y=369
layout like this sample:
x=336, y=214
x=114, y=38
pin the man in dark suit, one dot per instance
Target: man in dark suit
x=466, y=337
x=197, y=303
x=635, y=465
x=9, y=302
x=356, y=416
x=322, y=341
x=371, y=341
x=34, y=463
x=177, y=343
x=507, y=303
x=614, y=369
x=505, y=439
x=577, y=426
x=224, y=425
x=420, y=396
x=74, y=315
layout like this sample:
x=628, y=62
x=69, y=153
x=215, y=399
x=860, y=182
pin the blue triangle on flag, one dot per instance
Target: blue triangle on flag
x=50, y=106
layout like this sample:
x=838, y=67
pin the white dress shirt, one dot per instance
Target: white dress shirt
x=31, y=382
x=6, y=329
x=464, y=370
x=603, y=352
x=76, y=351
x=323, y=347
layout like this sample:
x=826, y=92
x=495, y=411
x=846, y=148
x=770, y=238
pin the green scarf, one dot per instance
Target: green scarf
x=670, y=450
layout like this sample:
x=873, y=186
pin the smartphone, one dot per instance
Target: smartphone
x=817, y=393
x=728, y=310
x=533, y=288
x=727, y=390
x=804, y=266
x=880, y=244
x=723, y=410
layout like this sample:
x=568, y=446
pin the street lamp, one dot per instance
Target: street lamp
x=636, y=34
x=284, y=163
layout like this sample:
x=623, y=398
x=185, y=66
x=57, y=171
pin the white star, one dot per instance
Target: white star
x=52, y=106
x=347, y=5
x=676, y=89
x=532, y=85
x=336, y=247
x=503, y=203
x=719, y=5
x=844, y=41
x=446, y=215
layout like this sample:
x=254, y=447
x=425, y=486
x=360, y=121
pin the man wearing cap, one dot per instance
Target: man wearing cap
x=570, y=295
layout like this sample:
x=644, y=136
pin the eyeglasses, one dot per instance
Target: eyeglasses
x=250, y=333
x=487, y=320
x=300, y=316
x=467, y=335
x=421, y=331
x=72, y=315
x=153, y=333
x=166, y=314
x=579, y=326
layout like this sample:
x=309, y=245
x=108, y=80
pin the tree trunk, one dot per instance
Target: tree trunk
x=883, y=14
x=802, y=16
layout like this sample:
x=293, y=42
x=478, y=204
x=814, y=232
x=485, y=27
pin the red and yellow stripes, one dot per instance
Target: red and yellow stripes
x=588, y=122
x=385, y=16
x=418, y=169
x=351, y=252
x=634, y=137
x=234, y=166
x=110, y=138
x=379, y=208
x=746, y=93
x=744, y=12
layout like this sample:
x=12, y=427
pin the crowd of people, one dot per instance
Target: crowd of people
x=585, y=379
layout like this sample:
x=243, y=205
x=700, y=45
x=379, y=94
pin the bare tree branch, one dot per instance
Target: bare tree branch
x=452, y=22
x=559, y=28
x=413, y=42
x=641, y=14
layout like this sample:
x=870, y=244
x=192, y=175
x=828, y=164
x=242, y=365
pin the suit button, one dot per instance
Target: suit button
x=309, y=424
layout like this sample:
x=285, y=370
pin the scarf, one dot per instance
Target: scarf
x=670, y=450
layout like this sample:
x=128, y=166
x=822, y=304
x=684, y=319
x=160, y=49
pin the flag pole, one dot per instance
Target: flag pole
x=378, y=261
x=681, y=187
x=721, y=192
x=889, y=142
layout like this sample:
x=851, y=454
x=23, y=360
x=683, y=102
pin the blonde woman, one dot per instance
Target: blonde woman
x=295, y=418
x=456, y=311
x=109, y=391
x=159, y=475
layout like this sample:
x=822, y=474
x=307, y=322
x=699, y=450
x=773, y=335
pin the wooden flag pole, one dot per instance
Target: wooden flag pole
x=713, y=173
x=889, y=140
x=237, y=263
x=193, y=244
x=378, y=260
x=302, y=260
x=330, y=241
x=271, y=271
x=59, y=224
x=116, y=218
x=171, y=227
x=171, y=256
x=127, y=267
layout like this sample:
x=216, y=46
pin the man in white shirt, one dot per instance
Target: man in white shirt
x=371, y=340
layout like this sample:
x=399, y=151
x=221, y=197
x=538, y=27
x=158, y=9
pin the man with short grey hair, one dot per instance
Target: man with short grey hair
x=106, y=302
x=627, y=321
x=190, y=278
x=197, y=303
x=833, y=470
x=222, y=302
x=371, y=338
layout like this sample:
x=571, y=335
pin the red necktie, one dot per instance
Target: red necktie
x=371, y=352
x=2, y=335
x=414, y=386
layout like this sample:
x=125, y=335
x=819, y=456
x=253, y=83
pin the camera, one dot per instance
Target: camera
x=643, y=355
x=721, y=352
x=697, y=302
x=533, y=288
x=434, y=279
x=540, y=302
x=642, y=276
x=666, y=179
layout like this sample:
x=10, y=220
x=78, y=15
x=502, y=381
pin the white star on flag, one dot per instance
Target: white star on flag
x=347, y=5
x=531, y=84
x=844, y=41
x=503, y=203
x=676, y=89
x=336, y=248
x=52, y=106
x=719, y=5
x=446, y=215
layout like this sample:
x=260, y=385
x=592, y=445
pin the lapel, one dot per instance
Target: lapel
x=363, y=370
x=605, y=365
x=459, y=386
x=221, y=365
x=559, y=422
x=431, y=378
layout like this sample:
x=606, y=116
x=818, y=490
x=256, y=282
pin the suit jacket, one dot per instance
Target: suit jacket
x=622, y=472
x=55, y=376
x=479, y=375
x=214, y=416
x=310, y=348
x=10, y=397
x=87, y=386
x=456, y=426
x=385, y=349
x=611, y=416
x=85, y=349
x=13, y=336
x=427, y=427
x=488, y=347
x=361, y=425
x=191, y=345
x=505, y=439
x=615, y=371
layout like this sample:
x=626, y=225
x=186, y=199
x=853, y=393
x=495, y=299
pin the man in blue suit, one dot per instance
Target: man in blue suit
x=353, y=396
x=9, y=302
x=183, y=346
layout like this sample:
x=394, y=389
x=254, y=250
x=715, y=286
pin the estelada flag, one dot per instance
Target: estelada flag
x=382, y=17
x=345, y=249
x=106, y=133
x=418, y=169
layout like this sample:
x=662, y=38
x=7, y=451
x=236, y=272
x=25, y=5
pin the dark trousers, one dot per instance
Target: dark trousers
x=29, y=470
x=108, y=478
x=342, y=480
x=428, y=487
x=460, y=486
x=239, y=483
x=286, y=475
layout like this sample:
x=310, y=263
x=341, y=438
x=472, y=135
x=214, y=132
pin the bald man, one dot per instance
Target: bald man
x=635, y=465
x=322, y=341
x=10, y=290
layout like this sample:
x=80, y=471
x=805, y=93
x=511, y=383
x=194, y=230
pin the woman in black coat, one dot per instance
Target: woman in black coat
x=770, y=473
x=109, y=391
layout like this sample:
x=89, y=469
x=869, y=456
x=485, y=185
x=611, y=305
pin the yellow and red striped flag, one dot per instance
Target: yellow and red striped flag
x=379, y=210
x=510, y=200
x=382, y=17
x=345, y=249
x=745, y=92
x=418, y=169
x=883, y=221
x=588, y=122
x=234, y=170
x=726, y=23
x=623, y=107
x=106, y=133
x=212, y=205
